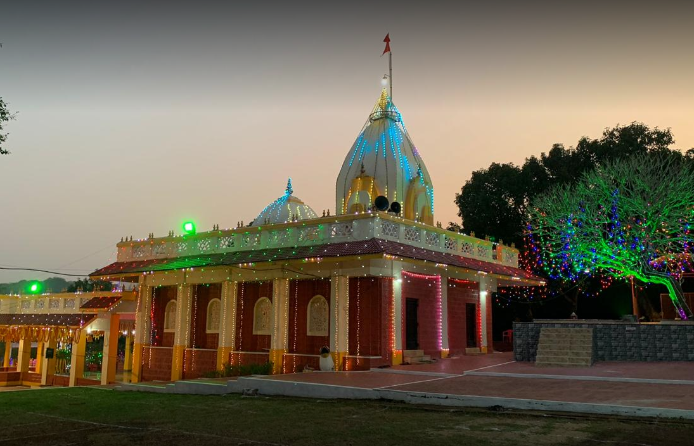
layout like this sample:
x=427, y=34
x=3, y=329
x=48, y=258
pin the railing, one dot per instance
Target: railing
x=319, y=231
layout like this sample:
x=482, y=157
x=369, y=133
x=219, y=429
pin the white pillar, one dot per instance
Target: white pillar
x=184, y=300
x=444, y=317
x=339, y=319
x=487, y=287
x=142, y=328
x=397, y=315
x=227, y=323
x=280, y=323
x=109, y=356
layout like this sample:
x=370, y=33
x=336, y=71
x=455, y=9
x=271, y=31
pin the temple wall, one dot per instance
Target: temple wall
x=425, y=291
x=248, y=295
x=300, y=294
x=199, y=338
x=459, y=295
x=156, y=363
x=160, y=297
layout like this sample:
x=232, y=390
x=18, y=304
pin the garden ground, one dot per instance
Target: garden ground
x=102, y=416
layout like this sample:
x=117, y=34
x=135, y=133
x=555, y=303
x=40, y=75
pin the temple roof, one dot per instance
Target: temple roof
x=385, y=155
x=54, y=320
x=285, y=209
x=356, y=248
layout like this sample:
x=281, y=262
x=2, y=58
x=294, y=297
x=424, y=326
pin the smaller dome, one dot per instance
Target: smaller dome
x=285, y=209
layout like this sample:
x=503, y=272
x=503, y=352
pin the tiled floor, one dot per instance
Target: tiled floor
x=581, y=385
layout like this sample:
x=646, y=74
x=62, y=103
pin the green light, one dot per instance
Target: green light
x=35, y=287
x=189, y=227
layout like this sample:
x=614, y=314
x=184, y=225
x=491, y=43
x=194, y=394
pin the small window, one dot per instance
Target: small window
x=262, y=317
x=318, y=317
x=213, y=315
x=170, y=317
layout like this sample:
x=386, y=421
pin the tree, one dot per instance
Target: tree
x=630, y=218
x=494, y=201
x=5, y=116
x=88, y=285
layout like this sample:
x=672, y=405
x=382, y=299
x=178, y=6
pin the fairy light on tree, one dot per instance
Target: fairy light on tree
x=625, y=219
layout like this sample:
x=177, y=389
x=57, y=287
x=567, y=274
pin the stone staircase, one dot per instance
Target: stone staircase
x=565, y=347
x=415, y=357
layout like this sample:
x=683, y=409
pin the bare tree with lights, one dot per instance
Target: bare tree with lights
x=626, y=219
x=5, y=116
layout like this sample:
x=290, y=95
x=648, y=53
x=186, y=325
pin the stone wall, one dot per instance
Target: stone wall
x=615, y=340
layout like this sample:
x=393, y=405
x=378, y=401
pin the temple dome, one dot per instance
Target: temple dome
x=285, y=209
x=384, y=161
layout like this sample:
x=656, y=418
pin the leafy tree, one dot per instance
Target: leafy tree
x=5, y=116
x=495, y=200
x=87, y=285
x=627, y=218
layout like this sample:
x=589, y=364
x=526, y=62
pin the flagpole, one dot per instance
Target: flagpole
x=390, y=75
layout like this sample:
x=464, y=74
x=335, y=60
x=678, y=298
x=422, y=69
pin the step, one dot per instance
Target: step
x=543, y=360
x=567, y=330
x=565, y=354
x=416, y=359
x=412, y=353
x=565, y=336
x=473, y=351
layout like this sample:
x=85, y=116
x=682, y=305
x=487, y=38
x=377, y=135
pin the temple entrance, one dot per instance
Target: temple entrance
x=411, y=324
x=471, y=324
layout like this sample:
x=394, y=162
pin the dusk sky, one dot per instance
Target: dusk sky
x=133, y=116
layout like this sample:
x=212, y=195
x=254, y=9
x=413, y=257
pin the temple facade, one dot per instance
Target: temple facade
x=377, y=282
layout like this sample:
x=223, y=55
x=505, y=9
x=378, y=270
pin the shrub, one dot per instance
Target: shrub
x=229, y=370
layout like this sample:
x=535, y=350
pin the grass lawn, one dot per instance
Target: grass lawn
x=106, y=417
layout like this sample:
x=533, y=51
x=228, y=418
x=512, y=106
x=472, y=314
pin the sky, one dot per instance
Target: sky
x=134, y=116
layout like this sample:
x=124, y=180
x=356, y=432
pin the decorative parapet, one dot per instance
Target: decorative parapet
x=344, y=228
x=58, y=303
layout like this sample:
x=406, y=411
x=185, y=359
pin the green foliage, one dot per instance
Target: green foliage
x=50, y=285
x=494, y=202
x=87, y=285
x=62, y=353
x=229, y=370
x=629, y=218
x=5, y=116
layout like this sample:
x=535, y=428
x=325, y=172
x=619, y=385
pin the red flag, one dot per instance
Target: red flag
x=387, y=41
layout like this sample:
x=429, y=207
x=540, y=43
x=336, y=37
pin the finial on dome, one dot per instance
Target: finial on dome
x=289, y=190
x=363, y=169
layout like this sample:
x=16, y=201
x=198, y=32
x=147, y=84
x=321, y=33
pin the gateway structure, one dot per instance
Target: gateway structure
x=377, y=287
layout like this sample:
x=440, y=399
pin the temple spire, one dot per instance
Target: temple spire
x=289, y=189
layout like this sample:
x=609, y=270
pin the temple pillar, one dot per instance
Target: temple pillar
x=79, y=348
x=339, y=319
x=227, y=323
x=109, y=356
x=48, y=364
x=24, y=356
x=142, y=328
x=487, y=287
x=184, y=300
x=39, y=357
x=8, y=353
x=444, y=316
x=396, y=317
x=280, y=325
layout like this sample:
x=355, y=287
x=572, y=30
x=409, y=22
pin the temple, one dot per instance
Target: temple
x=377, y=281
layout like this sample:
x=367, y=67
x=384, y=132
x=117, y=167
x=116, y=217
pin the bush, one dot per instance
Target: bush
x=229, y=370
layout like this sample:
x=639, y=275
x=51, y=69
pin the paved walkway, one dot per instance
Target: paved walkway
x=638, y=389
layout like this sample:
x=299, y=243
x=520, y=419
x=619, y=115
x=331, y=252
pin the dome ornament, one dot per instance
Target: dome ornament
x=289, y=189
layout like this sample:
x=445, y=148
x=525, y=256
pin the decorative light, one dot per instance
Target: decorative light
x=189, y=227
